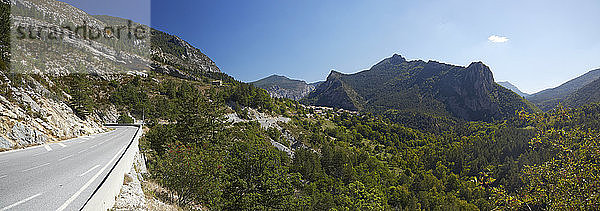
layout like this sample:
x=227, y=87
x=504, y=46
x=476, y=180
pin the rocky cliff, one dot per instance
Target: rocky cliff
x=32, y=114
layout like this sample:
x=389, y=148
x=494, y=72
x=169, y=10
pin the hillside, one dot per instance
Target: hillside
x=283, y=87
x=587, y=94
x=430, y=88
x=513, y=88
x=550, y=98
x=169, y=53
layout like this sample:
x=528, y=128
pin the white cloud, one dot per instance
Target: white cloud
x=497, y=39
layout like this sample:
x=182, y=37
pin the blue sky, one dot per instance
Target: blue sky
x=533, y=44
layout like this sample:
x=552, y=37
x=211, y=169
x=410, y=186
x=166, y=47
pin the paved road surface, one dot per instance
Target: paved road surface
x=59, y=176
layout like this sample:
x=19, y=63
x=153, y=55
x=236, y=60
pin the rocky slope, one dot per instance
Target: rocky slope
x=65, y=40
x=35, y=101
x=171, y=54
x=431, y=87
x=283, y=87
x=31, y=114
x=550, y=98
x=513, y=88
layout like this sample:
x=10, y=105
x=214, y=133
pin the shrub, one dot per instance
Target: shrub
x=125, y=119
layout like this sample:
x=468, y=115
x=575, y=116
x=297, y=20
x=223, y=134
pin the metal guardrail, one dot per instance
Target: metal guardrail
x=104, y=196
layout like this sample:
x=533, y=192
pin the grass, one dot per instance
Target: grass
x=157, y=197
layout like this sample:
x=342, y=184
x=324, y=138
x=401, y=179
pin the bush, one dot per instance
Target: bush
x=190, y=172
x=124, y=119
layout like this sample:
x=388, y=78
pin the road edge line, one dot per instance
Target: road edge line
x=104, y=197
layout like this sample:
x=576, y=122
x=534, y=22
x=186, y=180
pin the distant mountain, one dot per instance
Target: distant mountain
x=283, y=87
x=513, y=88
x=550, y=98
x=587, y=94
x=430, y=88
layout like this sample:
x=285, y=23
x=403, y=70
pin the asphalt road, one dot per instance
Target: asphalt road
x=59, y=176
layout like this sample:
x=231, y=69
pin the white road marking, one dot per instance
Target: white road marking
x=47, y=147
x=20, y=202
x=94, y=146
x=65, y=157
x=89, y=182
x=32, y=168
x=82, y=151
x=62, y=145
x=38, y=154
x=88, y=171
x=3, y=176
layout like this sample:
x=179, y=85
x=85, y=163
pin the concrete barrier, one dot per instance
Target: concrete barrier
x=122, y=124
x=105, y=195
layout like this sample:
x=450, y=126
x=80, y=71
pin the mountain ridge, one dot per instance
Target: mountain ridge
x=429, y=87
x=550, y=98
x=590, y=93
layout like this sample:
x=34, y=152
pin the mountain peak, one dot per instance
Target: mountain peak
x=478, y=65
x=397, y=59
x=478, y=70
x=334, y=74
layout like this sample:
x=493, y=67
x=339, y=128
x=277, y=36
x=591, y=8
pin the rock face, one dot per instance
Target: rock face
x=171, y=52
x=334, y=91
x=513, y=88
x=29, y=115
x=466, y=93
x=283, y=87
x=61, y=49
x=427, y=87
x=550, y=98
